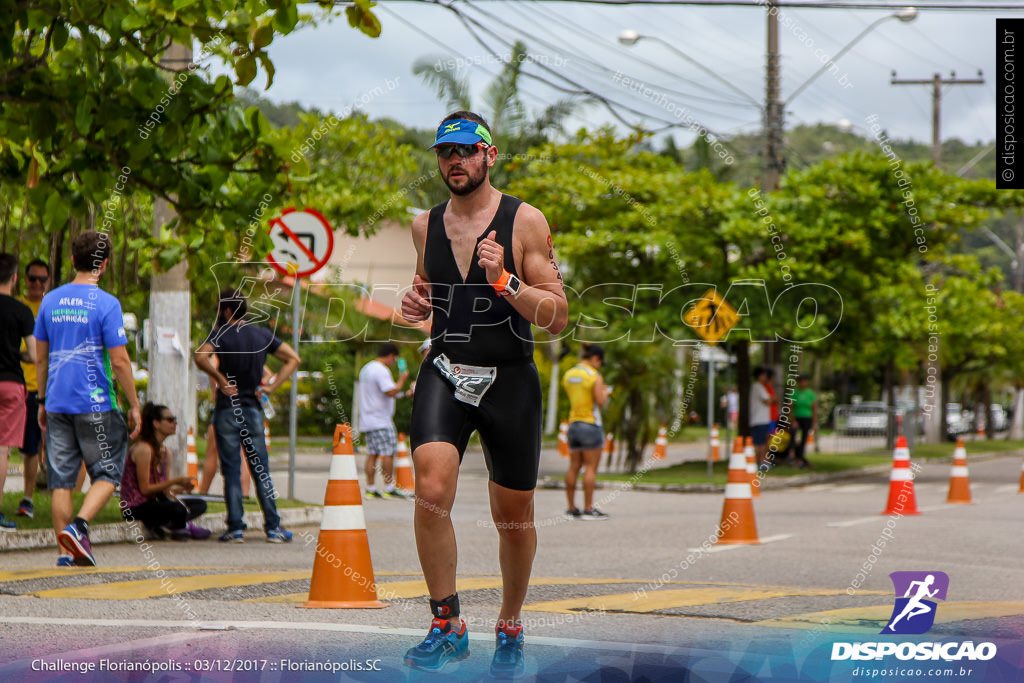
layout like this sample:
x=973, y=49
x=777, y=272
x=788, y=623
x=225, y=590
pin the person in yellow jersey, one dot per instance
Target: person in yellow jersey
x=37, y=277
x=587, y=395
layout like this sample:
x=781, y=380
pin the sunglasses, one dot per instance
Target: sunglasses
x=169, y=418
x=38, y=278
x=445, y=151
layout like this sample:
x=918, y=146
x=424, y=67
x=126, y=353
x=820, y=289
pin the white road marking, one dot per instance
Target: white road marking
x=192, y=634
x=722, y=548
x=880, y=517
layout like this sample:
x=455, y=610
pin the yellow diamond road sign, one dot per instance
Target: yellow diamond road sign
x=711, y=317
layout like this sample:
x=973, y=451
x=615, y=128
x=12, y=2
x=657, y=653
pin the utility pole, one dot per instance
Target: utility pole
x=171, y=381
x=773, y=110
x=937, y=82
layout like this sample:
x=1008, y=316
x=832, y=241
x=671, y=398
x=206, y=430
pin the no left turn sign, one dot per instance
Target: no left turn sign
x=303, y=241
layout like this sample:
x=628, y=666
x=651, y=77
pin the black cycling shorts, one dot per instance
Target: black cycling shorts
x=508, y=420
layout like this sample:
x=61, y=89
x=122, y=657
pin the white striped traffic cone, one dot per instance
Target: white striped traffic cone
x=715, y=444
x=901, y=482
x=738, y=525
x=191, y=458
x=661, y=444
x=959, y=481
x=751, y=458
x=343, y=570
x=403, y=467
x=563, y=439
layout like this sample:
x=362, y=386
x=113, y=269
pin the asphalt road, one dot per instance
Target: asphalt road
x=621, y=599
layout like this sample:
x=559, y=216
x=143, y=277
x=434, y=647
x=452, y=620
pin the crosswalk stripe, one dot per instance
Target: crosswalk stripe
x=394, y=590
x=667, y=599
x=150, y=588
x=852, y=619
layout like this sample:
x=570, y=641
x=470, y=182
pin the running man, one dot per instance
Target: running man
x=377, y=392
x=486, y=270
x=587, y=395
x=914, y=605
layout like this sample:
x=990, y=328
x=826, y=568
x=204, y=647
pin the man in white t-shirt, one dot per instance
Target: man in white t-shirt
x=760, y=412
x=377, y=392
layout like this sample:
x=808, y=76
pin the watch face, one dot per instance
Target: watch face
x=512, y=287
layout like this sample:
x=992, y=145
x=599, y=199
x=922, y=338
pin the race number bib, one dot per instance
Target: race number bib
x=471, y=382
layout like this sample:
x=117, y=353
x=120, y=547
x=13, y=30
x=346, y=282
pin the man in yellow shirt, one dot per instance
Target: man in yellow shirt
x=587, y=395
x=37, y=279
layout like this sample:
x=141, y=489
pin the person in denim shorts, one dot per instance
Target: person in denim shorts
x=587, y=395
x=80, y=349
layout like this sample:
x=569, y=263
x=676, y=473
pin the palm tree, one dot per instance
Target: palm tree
x=503, y=107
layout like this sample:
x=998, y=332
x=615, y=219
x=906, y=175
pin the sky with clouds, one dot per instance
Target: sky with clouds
x=716, y=81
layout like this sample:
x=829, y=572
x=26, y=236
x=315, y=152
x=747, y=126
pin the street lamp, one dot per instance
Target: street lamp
x=629, y=37
x=906, y=15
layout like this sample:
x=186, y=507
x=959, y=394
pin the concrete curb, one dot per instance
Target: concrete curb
x=30, y=539
x=768, y=482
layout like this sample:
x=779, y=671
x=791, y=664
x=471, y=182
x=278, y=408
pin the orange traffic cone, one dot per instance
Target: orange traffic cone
x=810, y=440
x=563, y=439
x=901, y=482
x=1021, y=478
x=661, y=444
x=403, y=467
x=738, y=524
x=343, y=570
x=266, y=434
x=959, y=481
x=609, y=443
x=715, y=444
x=191, y=459
x=751, y=459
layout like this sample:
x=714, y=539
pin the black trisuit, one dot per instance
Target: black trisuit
x=489, y=351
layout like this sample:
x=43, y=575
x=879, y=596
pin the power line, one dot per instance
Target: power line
x=584, y=32
x=959, y=7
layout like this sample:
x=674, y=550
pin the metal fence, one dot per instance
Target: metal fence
x=866, y=426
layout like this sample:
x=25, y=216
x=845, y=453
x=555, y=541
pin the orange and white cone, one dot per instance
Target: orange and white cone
x=403, y=467
x=959, y=481
x=810, y=440
x=715, y=444
x=751, y=458
x=266, y=434
x=609, y=443
x=738, y=524
x=902, y=500
x=661, y=443
x=563, y=439
x=343, y=570
x=1021, y=477
x=191, y=458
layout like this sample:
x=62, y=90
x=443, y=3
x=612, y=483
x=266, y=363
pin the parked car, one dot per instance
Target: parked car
x=862, y=419
x=1000, y=421
x=958, y=420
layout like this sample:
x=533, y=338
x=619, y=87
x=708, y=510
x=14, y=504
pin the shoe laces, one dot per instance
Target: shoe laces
x=439, y=629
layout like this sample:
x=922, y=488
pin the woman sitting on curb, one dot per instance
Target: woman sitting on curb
x=147, y=494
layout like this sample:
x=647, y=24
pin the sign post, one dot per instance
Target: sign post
x=711, y=317
x=303, y=242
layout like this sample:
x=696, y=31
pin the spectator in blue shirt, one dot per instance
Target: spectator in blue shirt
x=80, y=349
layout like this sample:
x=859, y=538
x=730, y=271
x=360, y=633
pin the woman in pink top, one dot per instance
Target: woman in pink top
x=147, y=495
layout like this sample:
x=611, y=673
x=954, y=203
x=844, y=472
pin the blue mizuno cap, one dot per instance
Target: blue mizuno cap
x=461, y=132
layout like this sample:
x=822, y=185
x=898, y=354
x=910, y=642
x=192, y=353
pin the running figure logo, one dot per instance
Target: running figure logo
x=914, y=614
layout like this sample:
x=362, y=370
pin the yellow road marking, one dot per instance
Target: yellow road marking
x=873, y=619
x=418, y=588
x=151, y=588
x=667, y=599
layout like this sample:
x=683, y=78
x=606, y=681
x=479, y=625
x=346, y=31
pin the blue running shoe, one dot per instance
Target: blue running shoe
x=77, y=545
x=235, y=536
x=279, y=535
x=443, y=644
x=65, y=561
x=508, y=652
